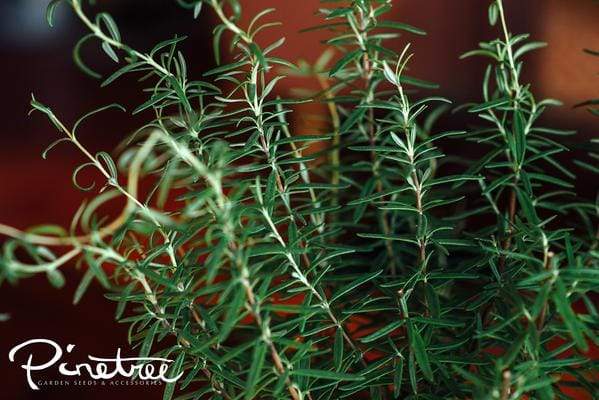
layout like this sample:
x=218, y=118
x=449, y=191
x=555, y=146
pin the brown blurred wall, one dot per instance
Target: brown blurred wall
x=559, y=71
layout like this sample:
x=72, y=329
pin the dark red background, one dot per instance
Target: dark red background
x=37, y=59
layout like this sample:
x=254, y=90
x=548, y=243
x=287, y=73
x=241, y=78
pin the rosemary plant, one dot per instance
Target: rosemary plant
x=265, y=272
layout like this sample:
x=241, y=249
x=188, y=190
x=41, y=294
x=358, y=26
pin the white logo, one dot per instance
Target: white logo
x=146, y=368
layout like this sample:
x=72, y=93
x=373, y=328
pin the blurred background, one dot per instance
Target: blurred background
x=37, y=59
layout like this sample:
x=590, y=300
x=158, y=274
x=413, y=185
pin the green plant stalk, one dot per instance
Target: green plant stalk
x=237, y=260
x=256, y=107
x=367, y=74
x=410, y=137
x=516, y=88
x=76, y=5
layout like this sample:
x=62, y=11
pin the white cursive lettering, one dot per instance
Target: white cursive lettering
x=98, y=368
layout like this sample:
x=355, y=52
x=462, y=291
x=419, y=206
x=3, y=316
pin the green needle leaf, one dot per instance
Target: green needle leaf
x=326, y=375
x=418, y=347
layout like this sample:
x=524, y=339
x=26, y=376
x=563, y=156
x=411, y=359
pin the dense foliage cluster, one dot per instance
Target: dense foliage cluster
x=370, y=266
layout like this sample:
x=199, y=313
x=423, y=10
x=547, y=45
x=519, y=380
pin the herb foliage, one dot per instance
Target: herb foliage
x=265, y=272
